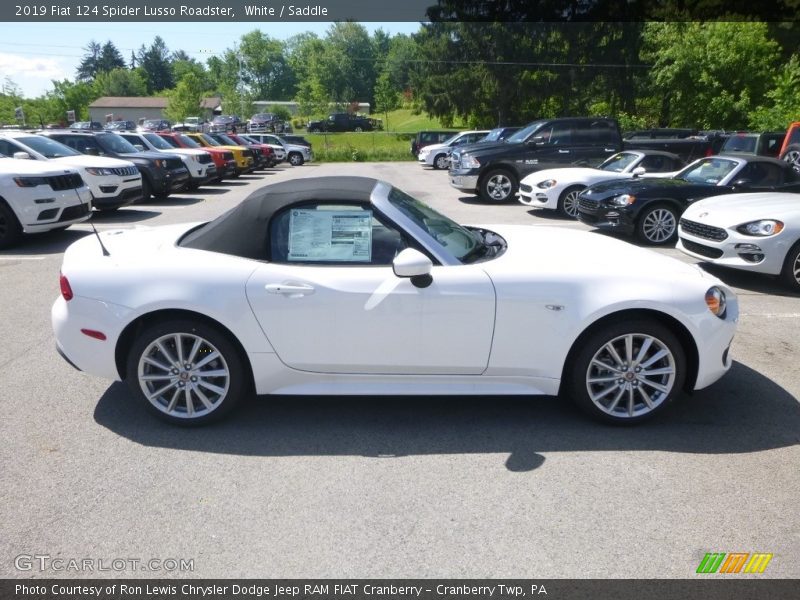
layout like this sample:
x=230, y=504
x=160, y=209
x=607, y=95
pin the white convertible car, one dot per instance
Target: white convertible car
x=558, y=189
x=347, y=285
x=757, y=232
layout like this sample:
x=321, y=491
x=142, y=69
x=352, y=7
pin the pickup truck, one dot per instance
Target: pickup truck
x=341, y=122
x=493, y=170
x=689, y=148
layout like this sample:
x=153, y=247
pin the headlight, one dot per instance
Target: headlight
x=715, y=300
x=469, y=162
x=99, y=171
x=30, y=181
x=546, y=184
x=159, y=163
x=623, y=200
x=762, y=228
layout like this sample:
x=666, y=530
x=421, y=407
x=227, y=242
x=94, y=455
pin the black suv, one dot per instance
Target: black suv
x=162, y=174
x=494, y=170
x=426, y=138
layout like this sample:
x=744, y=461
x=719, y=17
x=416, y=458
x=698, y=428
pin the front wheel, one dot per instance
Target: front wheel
x=10, y=228
x=790, y=274
x=440, y=162
x=627, y=372
x=186, y=372
x=568, y=202
x=657, y=225
x=792, y=156
x=296, y=159
x=498, y=186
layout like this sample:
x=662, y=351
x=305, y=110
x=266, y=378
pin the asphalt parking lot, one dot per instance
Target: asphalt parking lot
x=397, y=487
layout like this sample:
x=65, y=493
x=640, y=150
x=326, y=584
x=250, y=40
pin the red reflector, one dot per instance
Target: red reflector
x=98, y=335
x=709, y=152
x=66, y=290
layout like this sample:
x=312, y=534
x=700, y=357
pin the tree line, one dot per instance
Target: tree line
x=720, y=75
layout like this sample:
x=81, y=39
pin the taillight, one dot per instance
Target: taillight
x=709, y=152
x=66, y=290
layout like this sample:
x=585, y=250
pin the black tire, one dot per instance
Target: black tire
x=440, y=162
x=296, y=159
x=358, y=129
x=790, y=274
x=568, y=201
x=206, y=403
x=628, y=397
x=147, y=190
x=792, y=156
x=498, y=186
x=10, y=228
x=106, y=209
x=657, y=225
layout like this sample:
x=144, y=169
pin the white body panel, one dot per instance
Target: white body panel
x=29, y=202
x=428, y=154
x=730, y=211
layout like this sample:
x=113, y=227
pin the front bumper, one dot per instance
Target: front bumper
x=464, y=180
x=737, y=251
x=604, y=216
x=530, y=196
x=124, y=197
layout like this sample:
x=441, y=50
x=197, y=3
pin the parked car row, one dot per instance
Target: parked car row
x=647, y=192
x=53, y=178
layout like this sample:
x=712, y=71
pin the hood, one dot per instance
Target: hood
x=731, y=210
x=150, y=155
x=13, y=166
x=570, y=174
x=582, y=254
x=87, y=160
x=483, y=147
x=184, y=151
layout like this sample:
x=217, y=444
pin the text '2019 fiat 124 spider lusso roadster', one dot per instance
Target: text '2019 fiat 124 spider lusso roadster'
x=347, y=285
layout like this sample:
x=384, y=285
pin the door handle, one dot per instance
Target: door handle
x=563, y=151
x=609, y=149
x=292, y=290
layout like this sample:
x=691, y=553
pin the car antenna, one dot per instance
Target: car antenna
x=105, y=251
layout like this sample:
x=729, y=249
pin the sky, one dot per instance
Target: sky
x=33, y=54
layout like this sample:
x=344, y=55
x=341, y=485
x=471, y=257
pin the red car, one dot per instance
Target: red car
x=223, y=159
x=266, y=152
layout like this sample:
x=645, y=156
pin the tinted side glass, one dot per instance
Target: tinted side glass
x=595, y=133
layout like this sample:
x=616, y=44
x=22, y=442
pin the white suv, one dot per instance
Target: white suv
x=113, y=182
x=296, y=154
x=199, y=162
x=37, y=197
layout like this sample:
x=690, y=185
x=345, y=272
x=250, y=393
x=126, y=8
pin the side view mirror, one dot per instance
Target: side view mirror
x=91, y=152
x=22, y=155
x=415, y=265
x=537, y=140
x=639, y=171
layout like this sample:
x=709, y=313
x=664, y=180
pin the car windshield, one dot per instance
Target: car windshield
x=226, y=140
x=157, y=141
x=458, y=240
x=710, y=170
x=115, y=144
x=223, y=119
x=492, y=136
x=152, y=123
x=619, y=162
x=451, y=139
x=188, y=142
x=211, y=141
x=47, y=147
x=524, y=133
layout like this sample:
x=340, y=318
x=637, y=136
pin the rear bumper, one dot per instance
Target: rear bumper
x=606, y=217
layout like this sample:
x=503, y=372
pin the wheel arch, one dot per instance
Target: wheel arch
x=676, y=327
x=135, y=327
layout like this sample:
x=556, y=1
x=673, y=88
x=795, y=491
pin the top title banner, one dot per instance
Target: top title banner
x=510, y=11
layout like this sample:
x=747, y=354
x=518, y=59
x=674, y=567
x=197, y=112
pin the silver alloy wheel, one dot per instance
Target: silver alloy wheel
x=793, y=158
x=571, y=204
x=295, y=159
x=183, y=375
x=659, y=225
x=631, y=375
x=498, y=186
x=440, y=162
x=796, y=268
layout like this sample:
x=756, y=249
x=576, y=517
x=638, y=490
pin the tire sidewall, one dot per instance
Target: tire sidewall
x=788, y=265
x=646, y=213
x=13, y=230
x=484, y=190
x=562, y=198
x=436, y=161
x=575, y=374
x=237, y=386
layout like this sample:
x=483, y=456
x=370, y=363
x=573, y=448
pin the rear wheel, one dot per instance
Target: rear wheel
x=146, y=190
x=791, y=268
x=568, y=201
x=186, y=372
x=296, y=159
x=657, y=225
x=10, y=229
x=498, y=186
x=627, y=372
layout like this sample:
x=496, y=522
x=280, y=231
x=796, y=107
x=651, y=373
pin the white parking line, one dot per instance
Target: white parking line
x=772, y=315
x=23, y=257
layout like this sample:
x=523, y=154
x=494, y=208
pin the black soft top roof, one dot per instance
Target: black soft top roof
x=243, y=230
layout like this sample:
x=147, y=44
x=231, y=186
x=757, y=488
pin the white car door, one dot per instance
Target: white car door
x=322, y=311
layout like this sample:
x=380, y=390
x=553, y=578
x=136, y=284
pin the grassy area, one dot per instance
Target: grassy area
x=392, y=144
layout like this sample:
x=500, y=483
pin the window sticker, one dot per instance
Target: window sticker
x=330, y=235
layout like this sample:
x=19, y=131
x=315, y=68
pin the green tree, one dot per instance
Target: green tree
x=264, y=67
x=781, y=105
x=155, y=67
x=306, y=58
x=184, y=100
x=710, y=75
x=119, y=82
x=90, y=61
x=67, y=95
